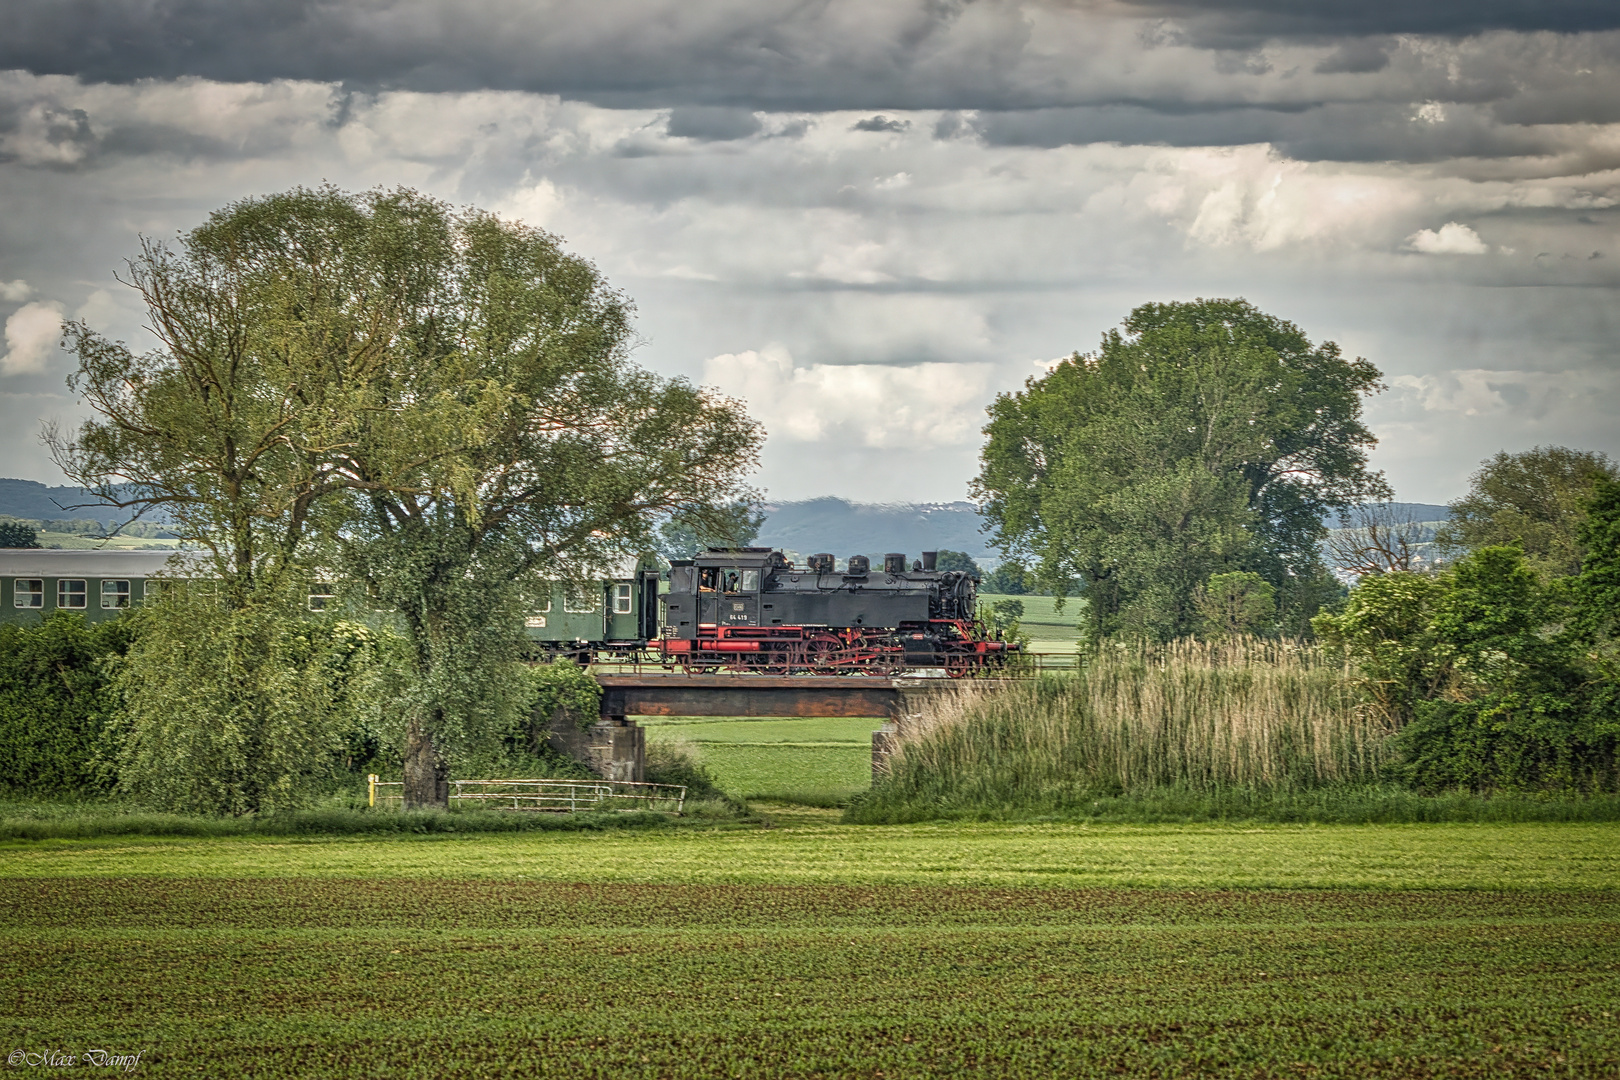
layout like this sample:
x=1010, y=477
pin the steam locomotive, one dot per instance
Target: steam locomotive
x=749, y=609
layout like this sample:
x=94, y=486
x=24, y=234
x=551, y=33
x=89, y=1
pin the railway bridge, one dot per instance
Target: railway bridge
x=615, y=747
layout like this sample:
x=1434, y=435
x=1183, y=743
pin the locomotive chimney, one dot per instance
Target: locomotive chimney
x=930, y=561
x=894, y=562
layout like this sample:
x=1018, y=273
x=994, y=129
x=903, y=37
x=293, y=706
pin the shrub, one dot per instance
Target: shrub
x=235, y=711
x=56, y=702
x=676, y=761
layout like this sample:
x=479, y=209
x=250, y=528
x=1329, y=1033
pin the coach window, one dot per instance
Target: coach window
x=71, y=593
x=621, y=599
x=320, y=595
x=577, y=600
x=28, y=592
x=114, y=594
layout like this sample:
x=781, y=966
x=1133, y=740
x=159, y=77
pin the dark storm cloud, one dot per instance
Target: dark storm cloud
x=712, y=123
x=1377, y=131
x=880, y=123
x=1237, y=22
x=775, y=53
x=1357, y=57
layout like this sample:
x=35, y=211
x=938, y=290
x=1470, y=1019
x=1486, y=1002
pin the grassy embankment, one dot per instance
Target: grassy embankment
x=815, y=949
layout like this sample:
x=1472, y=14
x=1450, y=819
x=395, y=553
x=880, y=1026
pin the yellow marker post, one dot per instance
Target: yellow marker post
x=371, y=783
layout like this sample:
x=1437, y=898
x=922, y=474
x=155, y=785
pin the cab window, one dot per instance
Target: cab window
x=750, y=581
x=708, y=579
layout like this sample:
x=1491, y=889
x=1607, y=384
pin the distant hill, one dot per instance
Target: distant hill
x=848, y=528
x=31, y=499
x=830, y=524
x=845, y=528
x=1423, y=512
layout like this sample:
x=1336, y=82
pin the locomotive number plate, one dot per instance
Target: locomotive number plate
x=737, y=607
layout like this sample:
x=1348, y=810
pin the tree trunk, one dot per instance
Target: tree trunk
x=427, y=778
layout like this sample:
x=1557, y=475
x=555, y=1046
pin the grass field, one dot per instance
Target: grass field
x=812, y=949
x=1050, y=631
x=819, y=762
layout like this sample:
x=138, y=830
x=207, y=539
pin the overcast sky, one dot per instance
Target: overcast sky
x=867, y=217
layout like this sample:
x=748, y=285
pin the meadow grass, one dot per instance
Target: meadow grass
x=824, y=950
x=812, y=762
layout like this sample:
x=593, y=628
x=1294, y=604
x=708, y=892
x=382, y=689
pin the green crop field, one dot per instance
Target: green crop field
x=1049, y=630
x=813, y=949
x=820, y=761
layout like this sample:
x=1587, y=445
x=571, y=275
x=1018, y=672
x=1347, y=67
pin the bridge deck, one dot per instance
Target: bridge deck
x=753, y=695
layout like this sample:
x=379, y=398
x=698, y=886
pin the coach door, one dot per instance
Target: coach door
x=739, y=597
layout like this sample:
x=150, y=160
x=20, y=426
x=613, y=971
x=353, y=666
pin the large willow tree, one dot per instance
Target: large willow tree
x=1201, y=438
x=553, y=454
x=439, y=403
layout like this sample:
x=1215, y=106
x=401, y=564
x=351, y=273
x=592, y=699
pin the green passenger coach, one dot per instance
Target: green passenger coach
x=611, y=616
x=96, y=584
x=614, y=614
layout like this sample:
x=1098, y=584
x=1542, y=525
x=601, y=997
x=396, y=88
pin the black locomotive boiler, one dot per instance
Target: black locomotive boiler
x=750, y=609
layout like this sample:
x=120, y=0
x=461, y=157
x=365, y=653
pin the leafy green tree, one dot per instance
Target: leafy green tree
x=1595, y=601
x=438, y=403
x=958, y=560
x=1386, y=631
x=14, y=534
x=1516, y=711
x=1200, y=438
x=700, y=528
x=533, y=449
x=1008, y=579
x=1532, y=499
x=1236, y=603
x=265, y=337
x=1482, y=687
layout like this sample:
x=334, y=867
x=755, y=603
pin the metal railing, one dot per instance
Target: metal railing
x=548, y=796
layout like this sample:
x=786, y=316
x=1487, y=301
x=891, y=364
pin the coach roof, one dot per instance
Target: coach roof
x=103, y=563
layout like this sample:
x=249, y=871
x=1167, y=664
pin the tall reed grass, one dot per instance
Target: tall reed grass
x=1260, y=716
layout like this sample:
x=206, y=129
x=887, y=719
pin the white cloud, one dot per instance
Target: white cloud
x=906, y=276
x=31, y=336
x=917, y=407
x=1452, y=239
